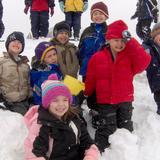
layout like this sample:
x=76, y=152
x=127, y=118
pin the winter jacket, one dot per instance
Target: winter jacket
x=14, y=78
x=39, y=74
x=146, y=9
x=113, y=80
x=92, y=39
x=40, y=5
x=73, y=5
x=58, y=146
x=67, y=58
x=153, y=70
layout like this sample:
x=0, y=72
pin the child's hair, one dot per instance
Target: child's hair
x=52, y=88
x=42, y=49
x=99, y=6
x=61, y=26
x=15, y=36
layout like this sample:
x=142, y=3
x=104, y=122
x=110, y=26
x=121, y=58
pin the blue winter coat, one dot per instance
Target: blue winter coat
x=153, y=70
x=38, y=76
x=92, y=39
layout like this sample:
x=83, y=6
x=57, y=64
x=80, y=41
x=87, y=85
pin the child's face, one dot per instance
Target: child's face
x=62, y=37
x=51, y=57
x=98, y=17
x=59, y=106
x=15, y=47
x=157, y=39
x=117, y=45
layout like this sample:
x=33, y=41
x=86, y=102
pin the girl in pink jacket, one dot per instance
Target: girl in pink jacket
x=56, y=132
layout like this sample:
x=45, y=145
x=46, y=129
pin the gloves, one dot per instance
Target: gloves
x=61, y=5
x=126, y=35
x=26, y=9
x=85, y=7
x=81, y=97
x=51, y=11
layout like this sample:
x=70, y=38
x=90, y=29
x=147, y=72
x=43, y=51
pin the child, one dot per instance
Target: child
x=153, y=71
x=39, y=16
x=146, y=12
x=14, y=75
x=1, y=22
x=62, y=134
x=67, y=57
x=92, y=39
x=110, y=72
x=45, y=65
x=73, y=10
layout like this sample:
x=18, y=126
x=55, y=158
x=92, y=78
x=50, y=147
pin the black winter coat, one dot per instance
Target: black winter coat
x=153, y=70
x=66, y=144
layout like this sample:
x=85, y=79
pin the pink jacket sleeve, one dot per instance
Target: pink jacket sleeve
x=30, y=120
x=92, y=153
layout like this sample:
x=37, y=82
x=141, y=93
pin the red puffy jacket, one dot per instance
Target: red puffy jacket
x=113, y=80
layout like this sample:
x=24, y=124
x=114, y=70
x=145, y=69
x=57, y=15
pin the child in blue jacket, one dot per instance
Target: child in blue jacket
x=45, y=64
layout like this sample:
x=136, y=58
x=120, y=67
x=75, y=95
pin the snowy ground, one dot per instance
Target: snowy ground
x=142, y=144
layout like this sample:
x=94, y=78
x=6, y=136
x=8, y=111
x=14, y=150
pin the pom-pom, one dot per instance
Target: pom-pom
x=53, y=77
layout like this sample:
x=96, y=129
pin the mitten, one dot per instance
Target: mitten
x=61, y=5
x=26, y=9
x=85, y=7
x=81, y=97
x=126, y=35
x=134, y=16
x=51, y=11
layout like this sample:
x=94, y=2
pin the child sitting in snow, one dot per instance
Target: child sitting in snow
x=110, y=72
x=152, y=46
x=14, y=75
x=67, y=57
x=45, y=64
x=61, y=133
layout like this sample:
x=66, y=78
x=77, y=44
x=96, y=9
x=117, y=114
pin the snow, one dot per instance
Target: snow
x=142, y=144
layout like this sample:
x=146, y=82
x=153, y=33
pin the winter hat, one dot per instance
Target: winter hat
x=99, y=6
x=61, y=26
x=42, y=49
x=52, y=88
x=115, y=30
x=15, y=36
x=155, y=30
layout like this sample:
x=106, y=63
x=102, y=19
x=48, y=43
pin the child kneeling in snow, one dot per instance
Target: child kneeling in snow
x=61, y=133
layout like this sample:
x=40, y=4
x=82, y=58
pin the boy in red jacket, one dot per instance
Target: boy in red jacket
x=110, y=72
x=39, y=16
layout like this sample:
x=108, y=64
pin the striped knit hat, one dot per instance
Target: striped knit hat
x=52, y=88
x=42, y=49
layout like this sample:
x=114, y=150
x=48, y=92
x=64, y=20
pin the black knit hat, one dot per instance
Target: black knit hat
x=15, y=36
x=61, y=26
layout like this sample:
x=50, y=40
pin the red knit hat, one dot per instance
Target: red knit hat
x=115, y=30
x=99, y=6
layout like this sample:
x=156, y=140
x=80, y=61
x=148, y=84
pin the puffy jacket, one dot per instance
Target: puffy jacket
x=113, y=80
x=74, y=5
x=92, y=39
x=14, y=79
x=67, y=58
x=153, y=70
x=35, y=128
x=39, y=75
x=40, y=5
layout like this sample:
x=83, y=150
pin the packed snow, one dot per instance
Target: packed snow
x=142, y=144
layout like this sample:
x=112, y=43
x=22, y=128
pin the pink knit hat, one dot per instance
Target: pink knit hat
x=52, y=88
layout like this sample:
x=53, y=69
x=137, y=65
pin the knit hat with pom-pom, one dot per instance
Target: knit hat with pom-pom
x=52, y=88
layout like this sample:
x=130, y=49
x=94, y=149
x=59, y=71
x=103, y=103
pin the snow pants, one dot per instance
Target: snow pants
x=111, y=117
x=143, y=28
x=39, y=23
x=157, y=100
x=74, y=20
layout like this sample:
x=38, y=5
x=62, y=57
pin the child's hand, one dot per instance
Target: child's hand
x=26, y=9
